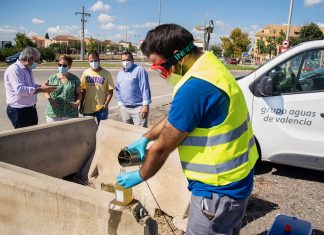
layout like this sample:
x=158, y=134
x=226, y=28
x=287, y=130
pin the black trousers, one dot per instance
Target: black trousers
x=22, y=117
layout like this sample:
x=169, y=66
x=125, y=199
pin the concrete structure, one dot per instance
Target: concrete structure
x=276, y=32
x=57, y=149
x=169, y=185
x=33, y=203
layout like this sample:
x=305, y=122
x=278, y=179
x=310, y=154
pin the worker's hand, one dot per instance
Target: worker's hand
x=129, y=179
x=144, y=111
x=139, y=146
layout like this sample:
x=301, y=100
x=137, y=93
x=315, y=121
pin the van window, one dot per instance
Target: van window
x=302, y=73
x=312, y=73
x=285, y=75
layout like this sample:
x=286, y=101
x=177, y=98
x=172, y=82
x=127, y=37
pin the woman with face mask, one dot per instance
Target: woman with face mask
x=64, y=102
x=97, y=88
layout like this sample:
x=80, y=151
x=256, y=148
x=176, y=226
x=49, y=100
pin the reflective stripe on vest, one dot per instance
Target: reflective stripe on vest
x=219, y=168
x=224, y=153
x=217, y=139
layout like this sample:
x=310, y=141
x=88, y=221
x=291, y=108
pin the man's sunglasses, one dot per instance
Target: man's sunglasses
x=62, y=65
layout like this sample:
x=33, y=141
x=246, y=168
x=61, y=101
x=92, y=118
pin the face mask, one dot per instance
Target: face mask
x=33, y=66
x=127, y=64
x=63, y=70
x=174, y=78
x=94, y=64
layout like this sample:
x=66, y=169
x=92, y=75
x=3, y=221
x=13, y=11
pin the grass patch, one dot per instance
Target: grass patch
x=239, y=67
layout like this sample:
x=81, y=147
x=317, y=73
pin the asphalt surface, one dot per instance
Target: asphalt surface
x=160, y=91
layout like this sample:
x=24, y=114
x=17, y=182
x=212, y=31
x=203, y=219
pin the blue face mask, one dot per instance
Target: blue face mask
x=33, y=66
x=63, y=70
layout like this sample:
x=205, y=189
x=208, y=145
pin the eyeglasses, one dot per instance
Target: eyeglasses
x=62, y=65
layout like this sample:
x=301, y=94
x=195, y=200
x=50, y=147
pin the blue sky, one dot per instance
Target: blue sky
x=108, y=17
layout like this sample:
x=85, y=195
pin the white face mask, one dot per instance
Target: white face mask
x=94, y=64
x=127, y=64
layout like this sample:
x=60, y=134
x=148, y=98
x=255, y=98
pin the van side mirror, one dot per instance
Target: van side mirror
x=266, y=86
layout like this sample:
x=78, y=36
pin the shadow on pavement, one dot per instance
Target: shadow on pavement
x=257, y=208
x=289, y=171
x=317, y=232
x=298, y=173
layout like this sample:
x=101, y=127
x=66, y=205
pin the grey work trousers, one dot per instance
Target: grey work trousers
x=216, y=216
x=132, y=115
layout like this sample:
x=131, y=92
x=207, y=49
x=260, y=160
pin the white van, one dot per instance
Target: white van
x=285, y=98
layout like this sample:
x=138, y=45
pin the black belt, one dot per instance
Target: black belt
x=30, y=107
x=131, y=106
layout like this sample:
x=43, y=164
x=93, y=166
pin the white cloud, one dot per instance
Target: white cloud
x=119, y=35
x=146, y=25
x=321, y=25
x=219, y=24
x=100, y=6
x=122, y=1
x=309, y=3
x=255, y=27
x=8, y=33
x=63, y=30
x=105, y=18
x=108, y=25
x=37, y=21
x=121, y=27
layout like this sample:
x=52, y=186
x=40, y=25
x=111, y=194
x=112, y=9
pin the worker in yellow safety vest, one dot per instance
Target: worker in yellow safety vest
x=209, y=124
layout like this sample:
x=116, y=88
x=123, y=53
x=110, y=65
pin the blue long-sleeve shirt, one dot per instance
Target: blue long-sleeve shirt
x=132, y=86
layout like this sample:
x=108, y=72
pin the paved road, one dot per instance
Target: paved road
x=161, y=93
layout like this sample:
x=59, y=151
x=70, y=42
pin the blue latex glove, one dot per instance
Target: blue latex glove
x=129, y=179
x=139, y=146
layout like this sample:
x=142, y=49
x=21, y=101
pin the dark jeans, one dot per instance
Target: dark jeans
x=22, y=117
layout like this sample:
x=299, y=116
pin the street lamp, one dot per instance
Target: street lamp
x=207, y=31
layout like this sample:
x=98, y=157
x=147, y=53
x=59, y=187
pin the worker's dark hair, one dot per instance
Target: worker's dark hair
x=129, y=54
x=94, y=53
x=165, y=39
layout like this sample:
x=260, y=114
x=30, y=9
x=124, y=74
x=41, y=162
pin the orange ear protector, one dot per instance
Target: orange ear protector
x=164, y=67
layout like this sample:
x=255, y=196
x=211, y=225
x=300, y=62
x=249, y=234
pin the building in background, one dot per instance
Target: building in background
x=275, y=31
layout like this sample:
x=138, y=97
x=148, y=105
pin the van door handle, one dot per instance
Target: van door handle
x=322, y=115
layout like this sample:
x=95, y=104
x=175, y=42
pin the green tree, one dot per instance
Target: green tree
x=91, y=46
x=293, y=41
x=311, y=32
x=260, y=46
x=47, y=54
x=271, y=46
x=46, y=36
x=237, y=43
x=59, y=48
x=217, y=50
x=23, y=41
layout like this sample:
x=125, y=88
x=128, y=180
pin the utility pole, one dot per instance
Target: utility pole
x=100, y=43
x=289, y=18
x=160, y=12
x=126, y=28
x=83, y=21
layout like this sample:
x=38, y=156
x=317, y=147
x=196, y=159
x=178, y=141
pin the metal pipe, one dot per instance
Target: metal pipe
x=289, y=18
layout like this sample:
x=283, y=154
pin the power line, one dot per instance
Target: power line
x=83, y=21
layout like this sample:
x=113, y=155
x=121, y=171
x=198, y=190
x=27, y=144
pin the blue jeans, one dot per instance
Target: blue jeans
x=22, y=117
x=99, y=115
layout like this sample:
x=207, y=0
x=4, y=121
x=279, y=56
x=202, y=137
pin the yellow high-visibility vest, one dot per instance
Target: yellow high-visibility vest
x=225, y=153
